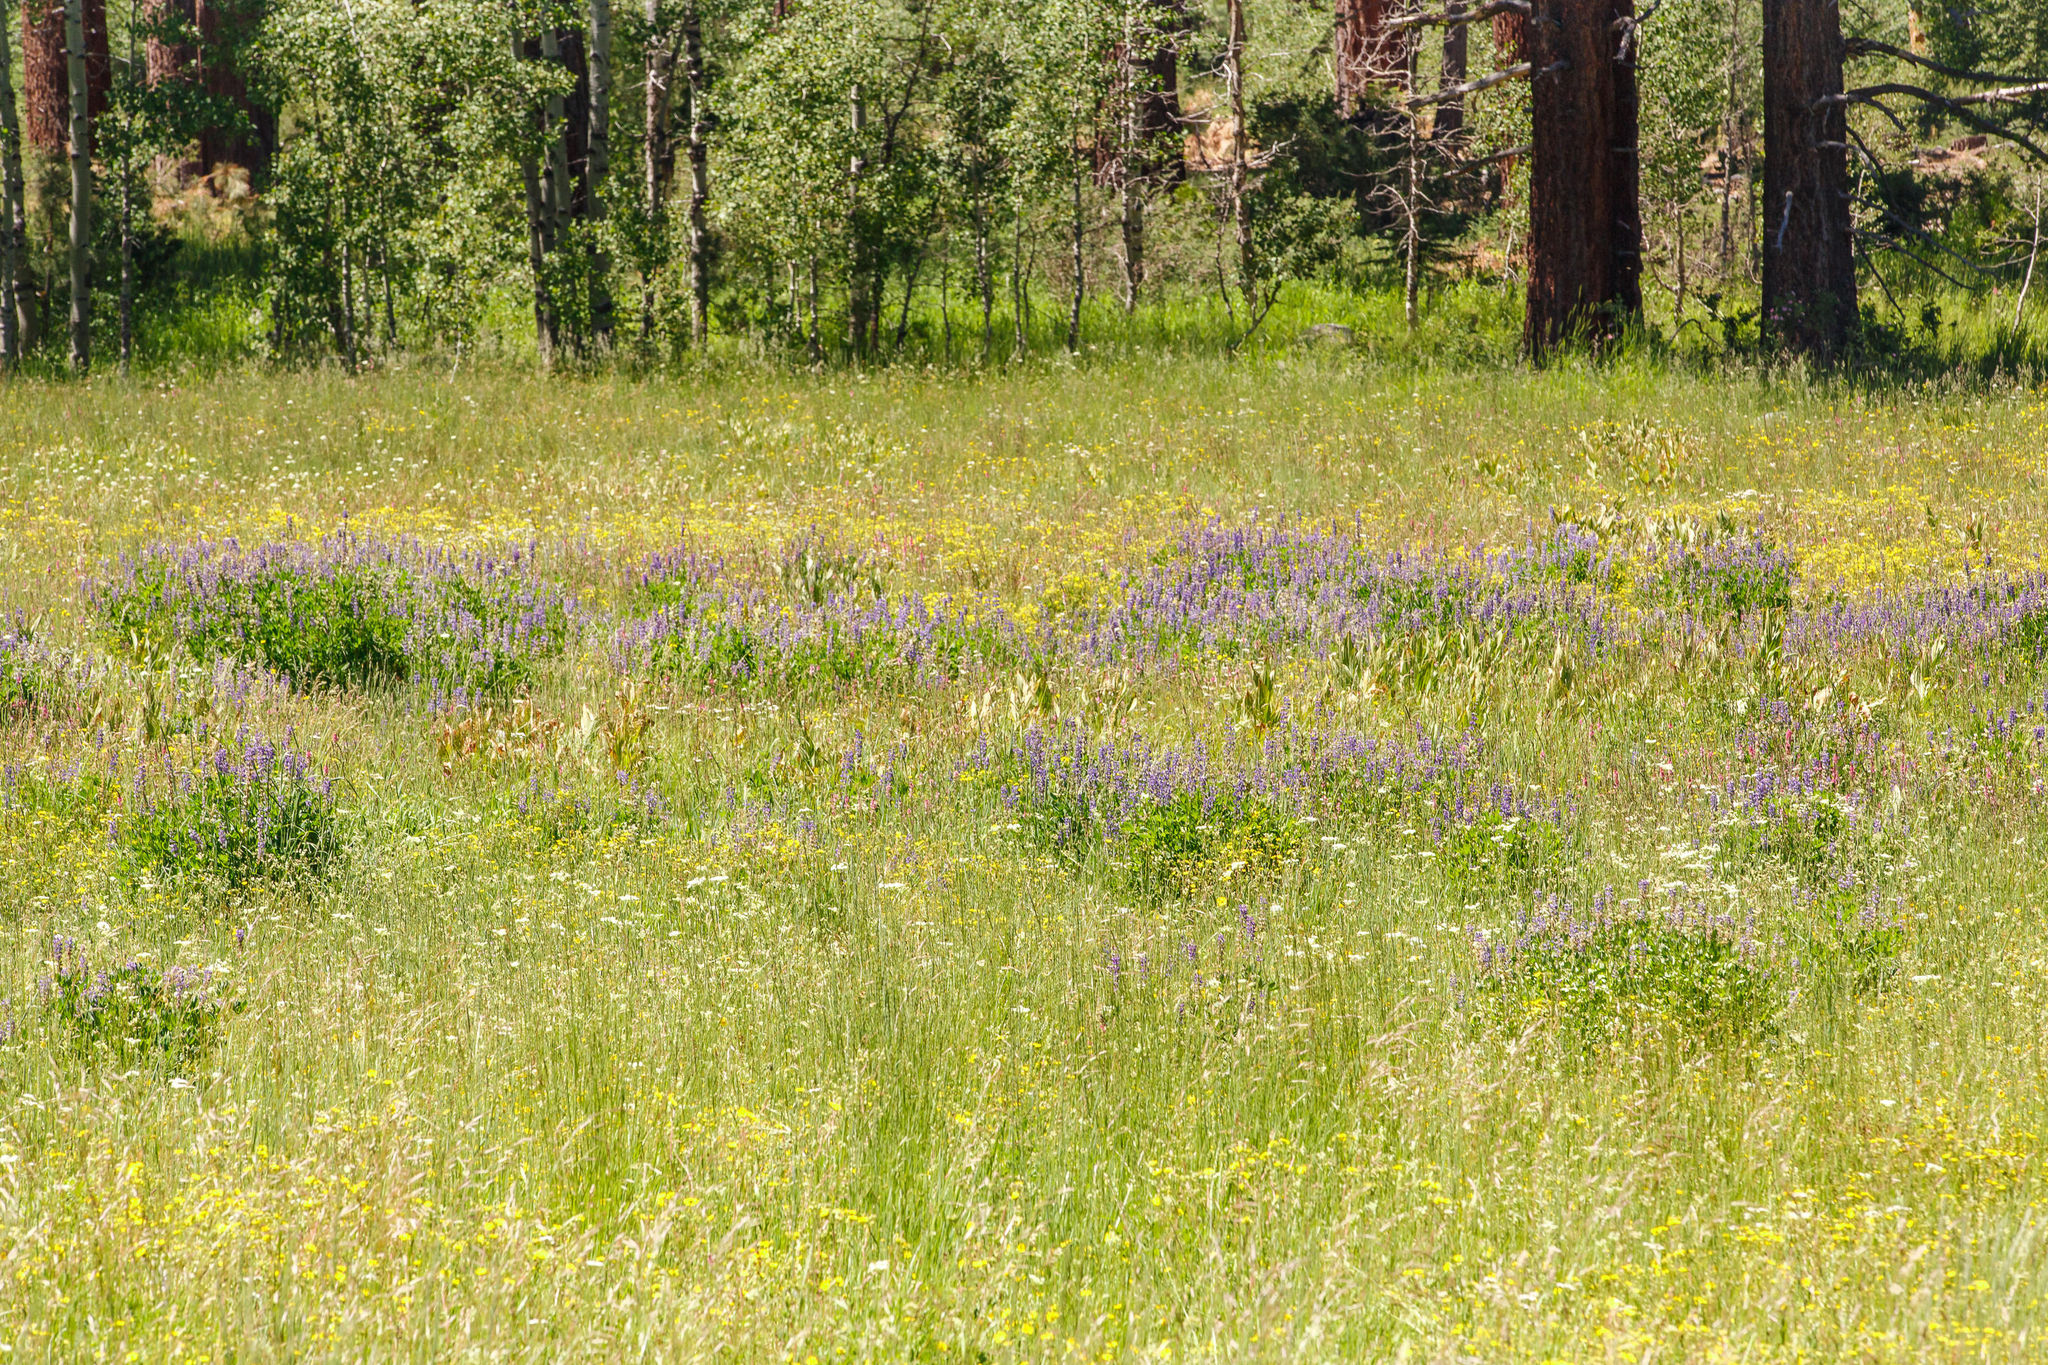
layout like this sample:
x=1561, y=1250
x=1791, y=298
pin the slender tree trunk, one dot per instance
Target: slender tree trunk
x=537, y=235
x=348, y=305
x=945, y=296
x=599, y=164
x=1132, y=220
x=1411, y=284
x=127, y=261
x=985, y=282
x=1585, y=225
x=817, y=341
x=11, y=211
x=1731, y=130
x=910, y=274
x=81, y=188
x=700, y=174
x=857, y=262
x=1249, y=285
x=1141, y=78
x=657, y=155
x=1678, y=252
x=1017, y=286
x=1809, y=296
x=2019, y=309
x=1080, y=272
x=556, y=193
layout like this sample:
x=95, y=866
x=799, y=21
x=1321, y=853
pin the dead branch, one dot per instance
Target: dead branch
x=1869, y=95
x=1487, y=82
x=1448, y=19
x=1863, y=47
x=2004, y=96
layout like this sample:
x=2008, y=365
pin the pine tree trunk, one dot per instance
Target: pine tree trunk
x=1809, y=287
x=165, y=58
x=45, y=76
x=81, y=187
x=1510, y=38
x=700, y=174
x=11, y=212
x=1585, y=226
x=225, y=27
x=1450, y=115
x=1365, y=52
x=598, y=161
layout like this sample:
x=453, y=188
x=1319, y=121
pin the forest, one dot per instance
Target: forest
x=857, y=180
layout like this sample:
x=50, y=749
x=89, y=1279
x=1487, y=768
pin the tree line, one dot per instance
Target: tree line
x=836, y=177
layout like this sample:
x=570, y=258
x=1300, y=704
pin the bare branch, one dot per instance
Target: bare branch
x=2004, y=96
x=1445, y=17
x=1471, y=87
x=1868, y=95
x=1861, y=47
x=1509, y=155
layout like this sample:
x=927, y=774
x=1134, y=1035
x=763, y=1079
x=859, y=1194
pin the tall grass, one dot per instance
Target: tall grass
x=1475, y=924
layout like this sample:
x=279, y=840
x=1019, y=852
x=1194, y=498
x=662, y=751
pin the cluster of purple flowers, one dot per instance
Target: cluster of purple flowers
x=247, y=812
x=731, y=635
x=1090, y=789
x=131, y=1010
x=345, y=610
x=1231, y=589
x=1555, y=927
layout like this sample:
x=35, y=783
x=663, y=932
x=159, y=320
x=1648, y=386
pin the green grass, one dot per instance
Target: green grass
x=643, y=1017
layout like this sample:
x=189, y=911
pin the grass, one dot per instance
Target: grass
x=1416, y=863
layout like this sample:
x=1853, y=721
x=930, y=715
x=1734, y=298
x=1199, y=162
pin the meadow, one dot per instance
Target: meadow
x=1300, y=859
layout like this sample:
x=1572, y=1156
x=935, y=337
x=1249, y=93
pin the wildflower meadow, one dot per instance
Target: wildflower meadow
x=1276, y=859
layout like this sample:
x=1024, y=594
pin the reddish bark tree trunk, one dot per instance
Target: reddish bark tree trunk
x=47, y=85
x=1809, y=295
x=99, y=60
x=1510, y=37
x=47, y=75
x=167, y=59
x=1367, y=52
x=224, y=26
x=1450, y=115
x=1585, y=229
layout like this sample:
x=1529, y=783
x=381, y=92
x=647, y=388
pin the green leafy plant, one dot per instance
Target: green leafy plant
x=242, y=818
x=1602, y=977
x=133, y=1013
